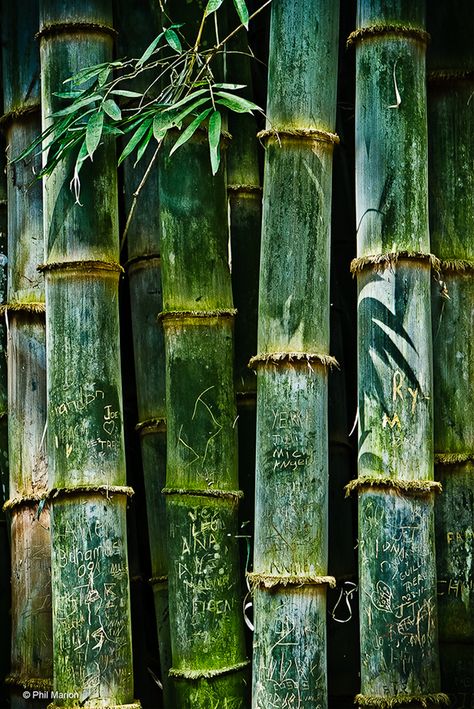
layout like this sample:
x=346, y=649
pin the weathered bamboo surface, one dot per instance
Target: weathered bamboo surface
x=91, y=607
x=451, y=183
x=31, y=656
x=137, y=28
x=290, y=557
x=397, y=574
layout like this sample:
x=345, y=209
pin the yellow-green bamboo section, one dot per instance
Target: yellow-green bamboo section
x=451, y=188
x=138, y=26
x=209, y=667
x=31, y=658
x=291, y=525
x=397, y=569
x=87, y=476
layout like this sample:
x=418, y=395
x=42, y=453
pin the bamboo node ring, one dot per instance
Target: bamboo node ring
x=376, y=30
x=106, y=490
x=381, y=262
x=64, y=27
x=19, y=112
x=183, y=314
x=208, y=674
x=276, y=358
x=422, y=700
x=26, y=307
x=88, y=266
x=312, y=134
x=403, y=487
x=151, y=425
x=207, y=492
x=453, y=458
x=258, y=580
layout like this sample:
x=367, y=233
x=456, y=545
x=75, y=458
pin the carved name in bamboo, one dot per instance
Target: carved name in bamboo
x=401, y=395
x=289, y=450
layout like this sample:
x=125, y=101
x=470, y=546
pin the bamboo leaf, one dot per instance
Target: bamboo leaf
x=190, y=130
x=76, y=106
x=230, y=87
x=126, y=93
x=173, y=40
x=160, y=126
x=189, y=109
x=242, y=12
x=112, y=109
x=68, y=94
x=94, y=132
x=149, y=50
x=187, y=98
x=214, y=132
x=236, y=103
x=143, y=146
x=134, y=140
x=212, y=6
x=103, y=76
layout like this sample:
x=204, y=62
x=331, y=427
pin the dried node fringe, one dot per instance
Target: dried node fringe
x=158, y=580
x=403, y=487
x=208, y=674
x=34, y=683
x=257, y=580
x=135, y=705
x=106, y=490
x=380, y=262
x=87, y=266
x=19, y=112
x=184, y=314
x=151, y=425
x=456, y=265
x=422, y=700
x=75, y=27
x=453, y=458
x=37, y=308
x=207, y=492
x=245, y=189
x=312, y=134
x=28, y=501
x=276, y=358
x=440, y=76
x=141, y=261
x=377, y=30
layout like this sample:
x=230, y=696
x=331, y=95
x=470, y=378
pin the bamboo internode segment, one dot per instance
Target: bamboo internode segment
x=58, y=28
x=310, y=134
x=269, y=581
x=403, y=487
x=292, y=358
x=377, y=30
x=427, y=701
x=233, y=495
x=208, y=674
x=379, y=262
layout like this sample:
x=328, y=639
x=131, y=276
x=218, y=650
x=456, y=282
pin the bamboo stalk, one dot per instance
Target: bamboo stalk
x=290, y=558
x=451, y=182
x=31, y=665
x=91, y=606
x=397, y=574
x=146, y=301
x=207, y=640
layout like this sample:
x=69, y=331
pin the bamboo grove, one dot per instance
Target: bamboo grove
x=237, y=361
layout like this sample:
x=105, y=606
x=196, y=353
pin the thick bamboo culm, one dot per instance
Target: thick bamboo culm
x=4, y=483
x=451, y=188
x=91, y=606
x=146, y=302
x=397, y=570
x=208, y=649
x=290, y=556
x=31, y=666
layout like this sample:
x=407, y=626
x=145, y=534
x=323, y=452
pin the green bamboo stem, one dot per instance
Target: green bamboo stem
x=451, y=182
x=31, y=663
x=146, y=300
x=397, y=574
x=290, y=557
x=91, y=606
x=207, y=639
